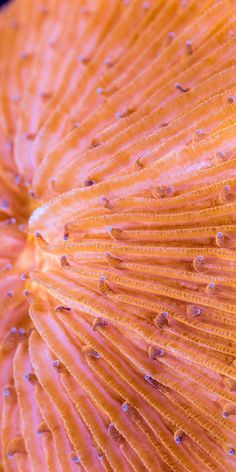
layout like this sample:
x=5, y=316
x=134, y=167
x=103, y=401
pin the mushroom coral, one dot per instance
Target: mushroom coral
x=117, y=224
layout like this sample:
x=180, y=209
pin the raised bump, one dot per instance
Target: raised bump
x=163, y=191
x=153, y=382
x=62, y=308
x=100, y=323
x=114, y=433
x=154, y=352
x=42, y=428
x=57, y=366
x=88, y=351
x=198, y=263
x=178, y=86
x=75, y=458
x=114, y=261
x=160, y=320
x=31, y=377
x=189, y=46
x=179, y=436
x=193, y=310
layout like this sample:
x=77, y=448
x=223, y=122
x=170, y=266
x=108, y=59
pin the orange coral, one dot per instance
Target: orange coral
x=117, y=221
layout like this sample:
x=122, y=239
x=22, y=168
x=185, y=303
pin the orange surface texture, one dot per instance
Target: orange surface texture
x=118, y=236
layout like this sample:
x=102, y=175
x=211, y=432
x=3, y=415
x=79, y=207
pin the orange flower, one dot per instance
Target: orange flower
x=117, y=223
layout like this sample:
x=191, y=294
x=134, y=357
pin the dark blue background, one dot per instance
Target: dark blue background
x=2, y=2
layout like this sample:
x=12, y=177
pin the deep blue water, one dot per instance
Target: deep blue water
x=3, y=2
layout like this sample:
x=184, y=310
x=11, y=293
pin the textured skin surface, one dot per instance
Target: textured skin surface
x=118, y=236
